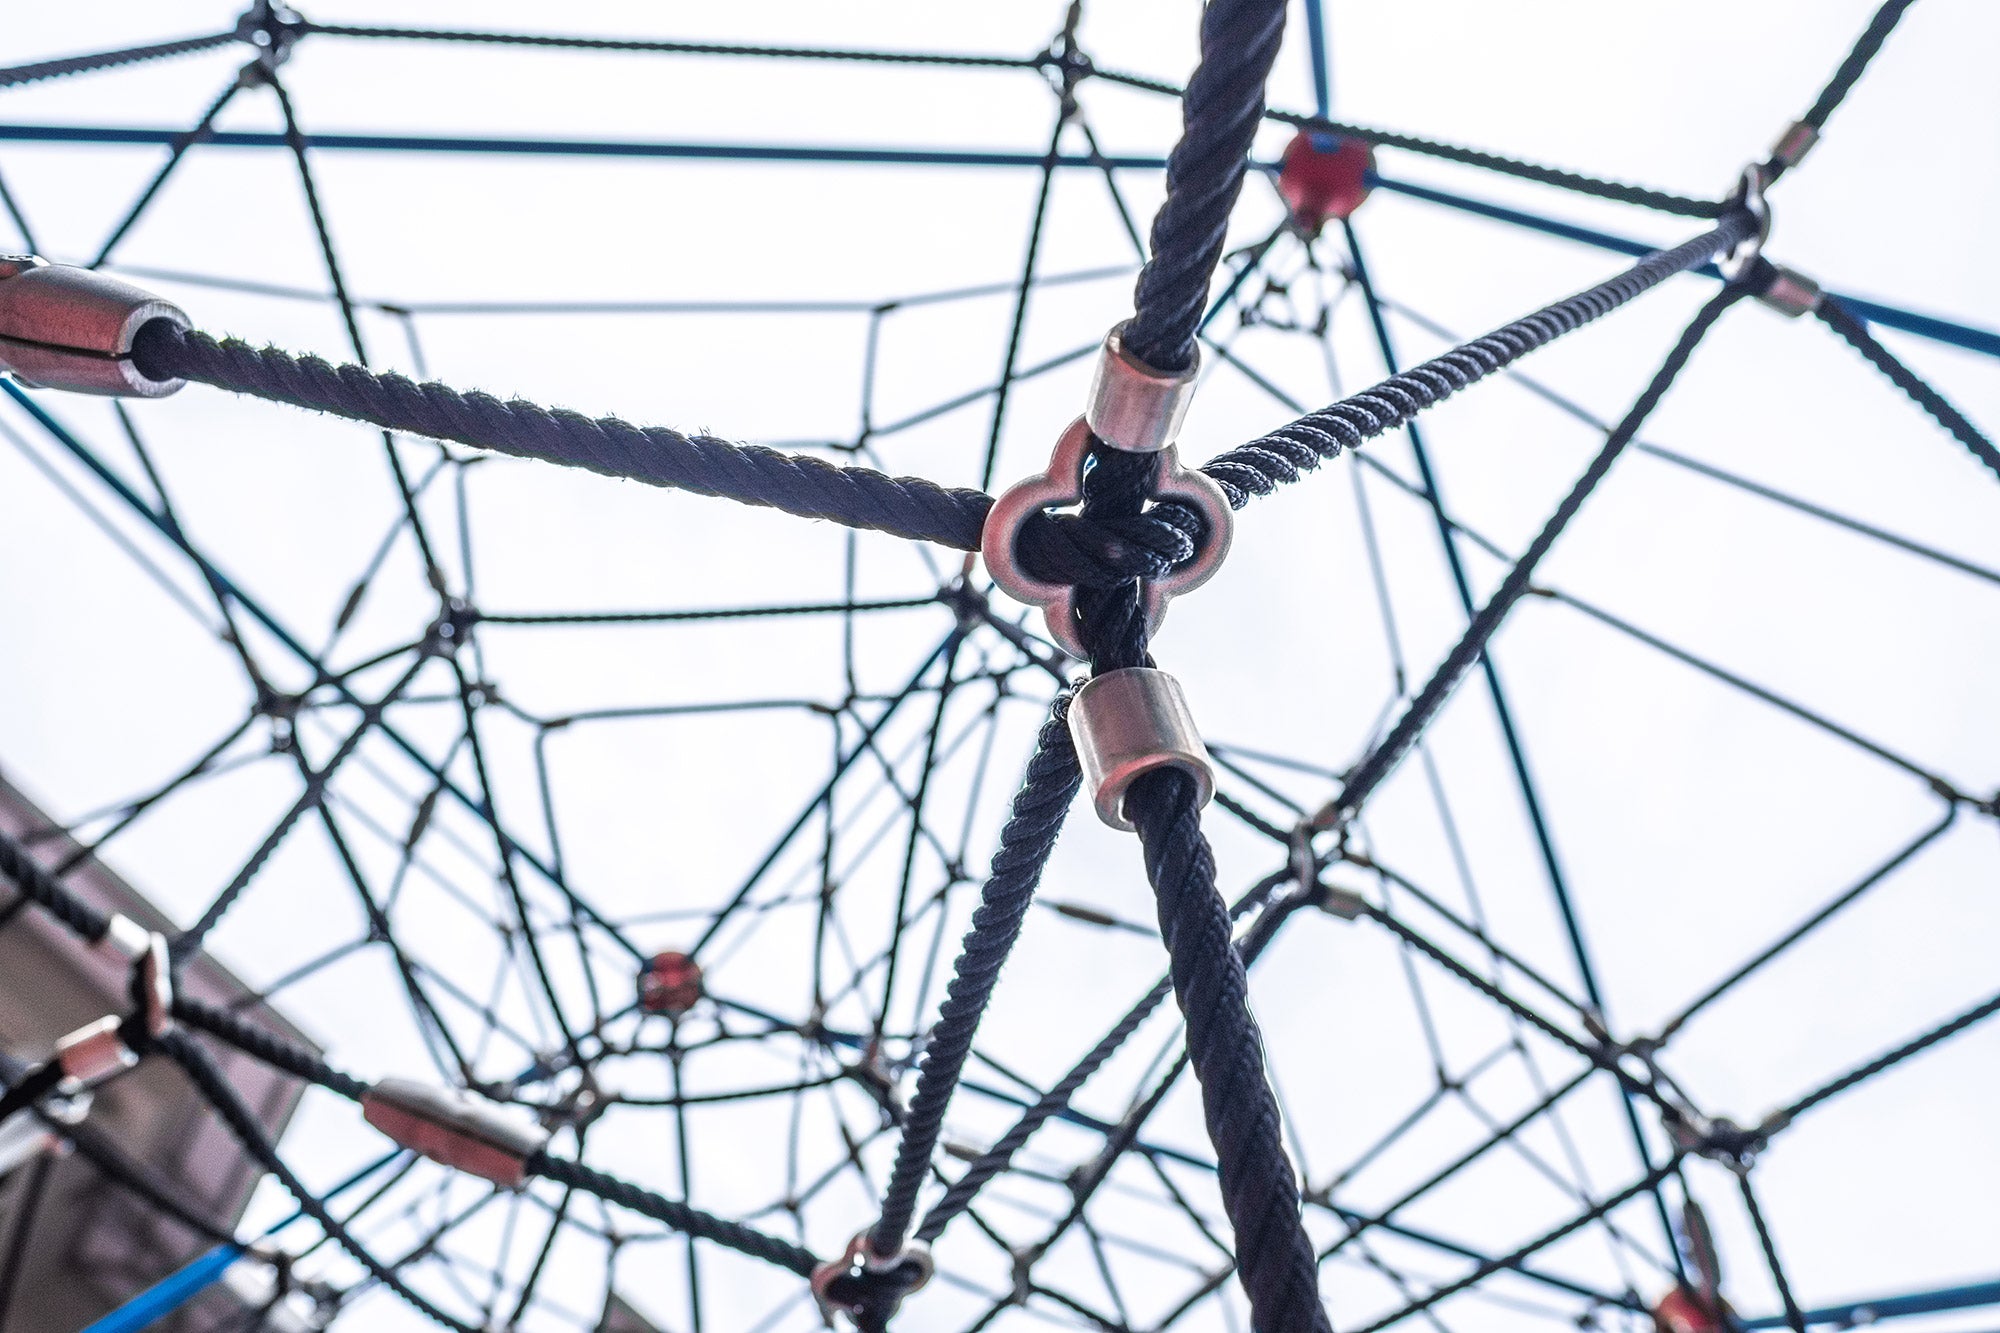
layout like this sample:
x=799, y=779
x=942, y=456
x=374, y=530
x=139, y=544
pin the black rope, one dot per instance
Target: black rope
x=1863, y=1073
x=1382, y=760
x=692, y=1221
x=1794, y=1317
x=1098, y=550
x=1850, y=71
x=1260, y=1191
x=220, y=1094
x=51, y=69
x=1658, y=200
x=1259, y=467
x=1054, y=1102
x=262, y=1044
x=1046, y=793
x=1843, y=321
x=30, y=1088
x=40, y=887
x=1220, y=113
x=641, y=45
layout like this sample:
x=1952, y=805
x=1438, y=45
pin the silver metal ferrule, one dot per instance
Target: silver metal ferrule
x=72, y=328
x=1128, y=723
x=1133, y=406
x=1791, y=293
x=156, y=986
x=1062, y=485
x=93, y=1053
x=1794, y=143
x=126, y=938
x=455, y=1129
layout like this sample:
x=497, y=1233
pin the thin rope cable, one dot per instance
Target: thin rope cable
x=1847, y=75
x=216, y=1089
x=691, y=1221
x=1843, y=321
x=53, y=69
x=38, y=886
x=643, y=45
x=1026, y=842
x=1576, y=182
x=1861, y=1074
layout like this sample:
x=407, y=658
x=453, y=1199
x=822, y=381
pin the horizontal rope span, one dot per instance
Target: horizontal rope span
x=1056, y=548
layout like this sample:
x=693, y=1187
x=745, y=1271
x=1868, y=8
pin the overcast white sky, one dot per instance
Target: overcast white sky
x=1695, y=824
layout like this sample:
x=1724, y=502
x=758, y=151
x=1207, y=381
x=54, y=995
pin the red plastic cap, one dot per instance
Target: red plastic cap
x=1324, y=176
x=1685, y=1310
x=671, y=984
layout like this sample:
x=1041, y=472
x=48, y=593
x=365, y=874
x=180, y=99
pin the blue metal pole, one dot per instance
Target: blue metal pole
x=170, y=1293
x=1970, y=1297
x=1316, y=45
x=1972, y=339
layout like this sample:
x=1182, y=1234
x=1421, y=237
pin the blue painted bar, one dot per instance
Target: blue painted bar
x=1972, y=1297
x=1970, y=338
x=1316, y=47
x=170, y=1293
x=1909, y=321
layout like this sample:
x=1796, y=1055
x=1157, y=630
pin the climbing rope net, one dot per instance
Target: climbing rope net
x=651, y=944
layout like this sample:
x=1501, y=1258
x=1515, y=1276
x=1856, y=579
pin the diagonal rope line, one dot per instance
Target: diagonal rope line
x=1370, y=773
x=52, y=69
x=1843, y=321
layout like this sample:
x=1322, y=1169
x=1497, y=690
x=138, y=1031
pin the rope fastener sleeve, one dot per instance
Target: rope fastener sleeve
x=1128, y=723
x=454, y=1129
x=1062, y=485
x=867, y=1287
x=1134, y=406
x=92, y=1054
x=72, y=329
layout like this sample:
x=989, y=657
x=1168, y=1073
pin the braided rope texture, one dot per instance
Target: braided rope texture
x=221, y=1094
x=692, y=1221
x=1851, y=327
x=1850, y=71
x=262, y=1044
x=1033, y=825
x=1260, y=1192
x=40, y=887
x=671, y=48
x=1259, y=467
x=1220, y=114
x=53, y=69
x=1416, y=719
x=1617, y=191
x=1051, y=1103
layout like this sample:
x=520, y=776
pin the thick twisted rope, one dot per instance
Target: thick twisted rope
x=44, y=890
x=52, y=69
x=1258, y=467
x=1375, y=768
x=691, y=1221
x=262, y=1044
x=1220, y=113
x=1047, y=791
x=1260, y=1191
x=1101, y=551
x=1848, y=325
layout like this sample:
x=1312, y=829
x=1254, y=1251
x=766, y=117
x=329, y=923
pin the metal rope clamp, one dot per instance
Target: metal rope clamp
x=1138, y=409
x=454, y=1129
x=1736, y=262
x=855, y=1283
x=72, y=328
